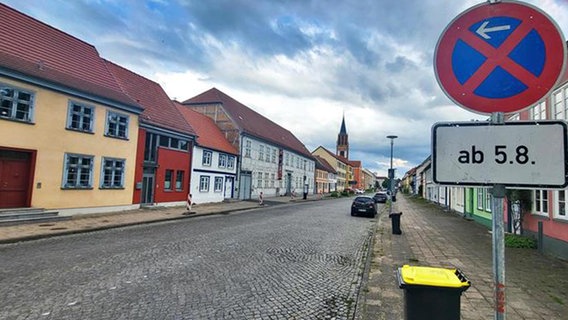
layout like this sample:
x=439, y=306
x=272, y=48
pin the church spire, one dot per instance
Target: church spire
x=342, y=148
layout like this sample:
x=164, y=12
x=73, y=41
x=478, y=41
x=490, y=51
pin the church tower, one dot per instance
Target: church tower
x=342, y=148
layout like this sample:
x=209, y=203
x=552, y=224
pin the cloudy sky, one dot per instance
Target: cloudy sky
x=303, y=64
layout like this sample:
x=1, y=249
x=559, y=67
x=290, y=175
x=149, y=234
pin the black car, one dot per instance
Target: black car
x=381, y=197
x=364, y=206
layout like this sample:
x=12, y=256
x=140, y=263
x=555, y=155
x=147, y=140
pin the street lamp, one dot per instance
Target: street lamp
x=391, y=173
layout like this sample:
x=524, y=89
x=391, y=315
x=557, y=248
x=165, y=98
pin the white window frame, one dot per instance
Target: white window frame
x=560, y=103
x=561, y=206
x=259, y=180
x=14, y=104
x=115, y=168
x=542, y=201
x=261, y=153
x=83, y=119
x=79, y=170
x=206, y=158
x=488, y=200
x=222, y=160
x=218, y=184
x=480, y=199
x=204, y=183
x=248, y=147
x=230, y=162
x=538, y=112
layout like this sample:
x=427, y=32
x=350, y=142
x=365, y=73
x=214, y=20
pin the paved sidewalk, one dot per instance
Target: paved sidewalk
x=535, y=284
x=90, y=222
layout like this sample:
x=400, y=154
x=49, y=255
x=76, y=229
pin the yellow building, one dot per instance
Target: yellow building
x=341, y=166
x=68, y=134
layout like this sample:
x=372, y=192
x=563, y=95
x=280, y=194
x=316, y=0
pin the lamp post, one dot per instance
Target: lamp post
x=391, y=173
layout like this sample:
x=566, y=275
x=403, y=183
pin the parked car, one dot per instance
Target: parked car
x=359, y=191
x=364, y=205
x=381, y=197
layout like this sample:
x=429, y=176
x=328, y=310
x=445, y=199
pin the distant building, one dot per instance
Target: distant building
x=326, y=176
x=272, y=159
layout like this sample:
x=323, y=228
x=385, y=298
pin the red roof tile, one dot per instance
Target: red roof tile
x=209, y=135
x=251, y=122
x=159, y=110
x=33, y=48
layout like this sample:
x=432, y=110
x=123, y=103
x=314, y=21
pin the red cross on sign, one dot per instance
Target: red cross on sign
x=499, y=57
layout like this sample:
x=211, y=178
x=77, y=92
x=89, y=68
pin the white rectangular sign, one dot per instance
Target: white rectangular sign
x=521, y=154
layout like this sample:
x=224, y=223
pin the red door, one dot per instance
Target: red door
x=14, y=179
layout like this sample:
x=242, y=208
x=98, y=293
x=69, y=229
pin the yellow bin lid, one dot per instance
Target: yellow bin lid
x=436, y=277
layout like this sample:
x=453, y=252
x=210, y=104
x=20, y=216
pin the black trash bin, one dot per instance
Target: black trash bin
x=395, y=222
x=432, y=293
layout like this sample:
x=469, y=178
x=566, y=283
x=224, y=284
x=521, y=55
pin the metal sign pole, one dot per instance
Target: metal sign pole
x=498, y=236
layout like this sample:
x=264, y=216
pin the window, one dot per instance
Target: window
x=179, y=180
x=268, y=153
x=174, y=143
x=272, y=177
x=488, y=201
x=78, y=171
x=261, y=153
x=247, y=148
x=222, y=160
x=560, y=103
x=117, y=125
x=287, y=159
x=538, y=112
x=218, y=184
x=266, y=183
x=113, y=173
x=230, y=162
x=16, y=104
x=259, y=180
x=273, y=155
x=206, y=159
x=560, y=204
x=480, y=203
x=540, y=202
x=80, y=117
x=168, y=179
x=204, y=183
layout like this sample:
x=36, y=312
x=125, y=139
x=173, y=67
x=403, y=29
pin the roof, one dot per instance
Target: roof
x=159, y=110
x=251, y=122
x=209, y=135
x=339, y=158
x=322, y=164
x=32, y=48
x=355, y=163
x=343, y=130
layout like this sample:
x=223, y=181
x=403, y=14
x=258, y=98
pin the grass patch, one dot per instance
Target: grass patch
x=557, y=300
x=517, y=241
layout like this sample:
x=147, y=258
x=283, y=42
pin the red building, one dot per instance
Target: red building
x=163, y=156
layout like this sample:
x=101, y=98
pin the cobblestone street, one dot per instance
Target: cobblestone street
x=291, y=262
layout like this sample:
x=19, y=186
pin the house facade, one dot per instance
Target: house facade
x=214, y=163
x=326, y=180
x=339, y=164
x=548, y=208
x=272, y=160
x=67, y=131
x=163, y=154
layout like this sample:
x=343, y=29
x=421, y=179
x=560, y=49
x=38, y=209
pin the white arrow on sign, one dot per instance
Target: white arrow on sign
x=482, y=30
